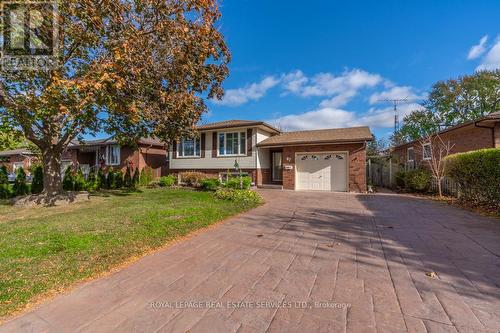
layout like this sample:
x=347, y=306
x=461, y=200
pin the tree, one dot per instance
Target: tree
x=136, y=177
x=131, y=68
x=100, y=180
x=127, y=179
x=434, y=151
x=37, y=183
x=417, y=124
x=79, y=180
x=4, y=176
x=68, y=182
x=20, y=187
x=376, y=147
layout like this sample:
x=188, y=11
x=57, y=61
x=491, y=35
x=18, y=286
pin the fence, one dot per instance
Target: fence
x=448, y=186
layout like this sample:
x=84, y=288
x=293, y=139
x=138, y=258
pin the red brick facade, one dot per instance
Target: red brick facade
x=464, y=138
x=356, y=165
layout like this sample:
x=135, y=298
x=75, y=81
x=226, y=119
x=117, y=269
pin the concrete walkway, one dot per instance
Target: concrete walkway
x=304, y=262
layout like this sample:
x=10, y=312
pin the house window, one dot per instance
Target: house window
x=427, y=152
x=112, y=155
x=17, y=165
x=411, y=155
x=232, y=143
x=188, y=148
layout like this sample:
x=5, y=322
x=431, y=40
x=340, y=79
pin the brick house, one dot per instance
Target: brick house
x=468, y=136
x=323, y=160
x=94, y=154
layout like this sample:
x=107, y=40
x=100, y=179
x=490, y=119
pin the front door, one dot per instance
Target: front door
x=277, y=166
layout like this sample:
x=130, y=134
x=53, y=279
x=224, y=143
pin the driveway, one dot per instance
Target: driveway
x=304, y=262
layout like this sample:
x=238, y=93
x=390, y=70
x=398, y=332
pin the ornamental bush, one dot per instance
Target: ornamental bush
x=127, y=179
x=210, y=184
x=100, y=181
x=79, y=181
x=146, y=176
x=5, y=191
x=245, y=183
x=167, y=181
x=20, y=186
x=418, y=180
x=135, y=178
x=477, y=174
x=118, y=180
x=192, y=178
x=37, y=183
x=243, y=197
x=68, y=180
x=4, y=176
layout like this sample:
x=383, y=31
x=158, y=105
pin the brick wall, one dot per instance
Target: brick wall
x=466, y=138
x=263, y=176
x=357, y=163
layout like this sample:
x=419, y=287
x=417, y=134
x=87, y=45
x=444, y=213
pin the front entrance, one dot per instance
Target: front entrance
x=322, y=172
x=277, y=166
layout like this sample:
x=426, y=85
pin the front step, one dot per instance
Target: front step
x=271, y=187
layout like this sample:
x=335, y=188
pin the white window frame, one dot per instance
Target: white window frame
x=197, y=152
x=17, y=165
x=408, y=155
x=428, y=158
x=242, y=151
x=108, y=155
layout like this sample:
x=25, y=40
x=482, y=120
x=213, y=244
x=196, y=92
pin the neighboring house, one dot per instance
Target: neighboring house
x=472, y=135
x=17, y=158
x=324, y=160
x=107, y=153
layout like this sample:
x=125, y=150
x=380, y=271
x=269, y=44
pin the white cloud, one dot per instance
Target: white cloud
x=478, y=50
x=491, y=60
x=395, y=92
x=252, y=92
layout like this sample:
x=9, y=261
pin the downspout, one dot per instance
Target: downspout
x=492, y=133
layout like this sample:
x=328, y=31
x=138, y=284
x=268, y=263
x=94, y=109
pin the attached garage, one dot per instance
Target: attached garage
x=322, y=171
x=321, y=160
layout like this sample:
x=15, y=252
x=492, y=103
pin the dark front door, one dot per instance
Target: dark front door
x=277, y=166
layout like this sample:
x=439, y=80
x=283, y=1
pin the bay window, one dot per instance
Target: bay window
x=232, y=143
x=188, y=148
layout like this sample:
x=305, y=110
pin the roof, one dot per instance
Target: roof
x=334, y=135
x=19, y=151
x=111, y=141
x=236, y=123
x=491, y=118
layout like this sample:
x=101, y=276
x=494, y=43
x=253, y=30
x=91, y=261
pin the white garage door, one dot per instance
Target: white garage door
x=322, y=172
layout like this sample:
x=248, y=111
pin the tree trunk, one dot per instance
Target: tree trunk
x=52, y=182
x=440, y=191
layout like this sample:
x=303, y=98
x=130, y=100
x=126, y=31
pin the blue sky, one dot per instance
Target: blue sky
x=324, y=64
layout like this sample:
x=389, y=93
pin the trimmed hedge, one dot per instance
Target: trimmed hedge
x=478, y=175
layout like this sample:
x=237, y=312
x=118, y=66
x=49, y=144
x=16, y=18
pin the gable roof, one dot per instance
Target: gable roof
x=112, y=141
x=236, y=123
x=19, y=151
x=334, y=135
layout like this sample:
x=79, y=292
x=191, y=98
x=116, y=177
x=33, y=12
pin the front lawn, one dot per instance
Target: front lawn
x=48, y=249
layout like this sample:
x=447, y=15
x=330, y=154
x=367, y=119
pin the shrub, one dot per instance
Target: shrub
x=110, y=179
x=127, y=179
x=244, y=197
x=20, y=186
x=79, y=181
x=478, y=175
x=168, y=181
x=154, y=184
x=236, y=183
x=100, y=181
x=135, y=178
x=192, y=178
x=418, y=180
x=4, y=176
x=400, y=179
x=146, y=176
x=118, y=180
x=37, y=183
x=5, y=191
x=210, y=184
x=68, y=180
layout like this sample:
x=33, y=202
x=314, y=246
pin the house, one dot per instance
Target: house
x=468, y=136
x=95, y=154
x=17, y=158
x=323, y=160
x=107, y=153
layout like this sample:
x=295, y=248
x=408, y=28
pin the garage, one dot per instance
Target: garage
x=322, y=171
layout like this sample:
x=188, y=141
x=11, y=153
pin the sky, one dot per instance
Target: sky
x=317, y=64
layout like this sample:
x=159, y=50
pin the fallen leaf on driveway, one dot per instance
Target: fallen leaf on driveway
x=432, y=274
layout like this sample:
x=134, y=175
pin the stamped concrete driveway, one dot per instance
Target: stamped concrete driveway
x=305, y=262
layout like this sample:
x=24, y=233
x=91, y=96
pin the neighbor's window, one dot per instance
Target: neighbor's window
x=189, y=148
x=17, y=165
x=427, y=152
x=232, y=143
x=411, y=155
x=112, y=155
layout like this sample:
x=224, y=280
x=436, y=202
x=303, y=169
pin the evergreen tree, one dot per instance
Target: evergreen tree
x=110, y=179
x=118, y=180
x=127, y=180
x=68, y=180
x=79, y=180
x=20, y=186
x=135, y=179
x=100, y=180
x=37, y=183
x=91, y=181
x=4, y=177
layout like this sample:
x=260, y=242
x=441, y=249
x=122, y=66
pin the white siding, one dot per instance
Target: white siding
x=209, y=162
x=264, y=157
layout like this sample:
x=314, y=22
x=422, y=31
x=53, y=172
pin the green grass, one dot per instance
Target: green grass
x=48, y=249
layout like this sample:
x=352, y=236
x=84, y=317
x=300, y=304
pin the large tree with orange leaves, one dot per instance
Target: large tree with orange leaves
x=132, y=68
